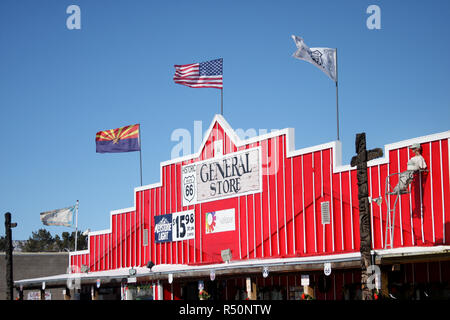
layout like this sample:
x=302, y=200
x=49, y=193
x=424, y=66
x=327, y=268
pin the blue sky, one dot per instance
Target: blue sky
x=58, y=87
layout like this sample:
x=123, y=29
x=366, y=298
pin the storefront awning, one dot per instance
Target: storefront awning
x=242, y=268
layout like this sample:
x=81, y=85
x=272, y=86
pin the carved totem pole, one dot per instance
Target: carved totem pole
x=360, y=161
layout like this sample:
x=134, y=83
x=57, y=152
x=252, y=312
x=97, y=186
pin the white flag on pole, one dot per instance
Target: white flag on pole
x=322, y=58
x=59, y=217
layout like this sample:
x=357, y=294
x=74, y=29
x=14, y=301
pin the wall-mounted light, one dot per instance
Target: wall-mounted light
x=150, y=265
x=226, y=255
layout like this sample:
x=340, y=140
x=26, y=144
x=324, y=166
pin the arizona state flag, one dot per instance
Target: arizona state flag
x=123, y=139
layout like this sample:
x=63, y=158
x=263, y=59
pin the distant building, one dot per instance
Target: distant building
x=33, y=265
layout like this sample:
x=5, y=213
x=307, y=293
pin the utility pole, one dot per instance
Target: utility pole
x=360, y=161
x=9, y=257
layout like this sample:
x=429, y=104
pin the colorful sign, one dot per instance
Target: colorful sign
x=220, y=221
x=222, y=177
x=176, y=226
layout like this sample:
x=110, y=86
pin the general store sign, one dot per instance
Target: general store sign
x=175, y=226
x=222, y=177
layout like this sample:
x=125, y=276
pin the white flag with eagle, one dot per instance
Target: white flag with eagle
x=322, y=58
x=59, y=217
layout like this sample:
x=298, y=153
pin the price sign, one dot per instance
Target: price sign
x=183, y=225
x=176, y=226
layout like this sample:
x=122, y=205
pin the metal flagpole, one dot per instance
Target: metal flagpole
x=337, y=100
x=140, y=152
x=221, y=101
x=76, y=227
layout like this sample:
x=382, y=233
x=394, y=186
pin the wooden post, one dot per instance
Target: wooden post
x=67, y=294
x=9, y=257
x=360, y=161
x=384, y=282
x=251, y=289
x=94, y=293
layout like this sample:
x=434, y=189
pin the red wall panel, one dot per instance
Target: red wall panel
x=284, y=220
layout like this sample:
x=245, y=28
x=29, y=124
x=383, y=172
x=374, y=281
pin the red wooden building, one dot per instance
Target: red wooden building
x=288, y=212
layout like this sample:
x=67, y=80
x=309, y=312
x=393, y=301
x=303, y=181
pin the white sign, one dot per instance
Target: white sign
x=305, y=280
x=222, y=177
x=220, y=221
x=131, y=280
x=36, y=295
x=189, y=185
x=327, y=268
x=183, y=225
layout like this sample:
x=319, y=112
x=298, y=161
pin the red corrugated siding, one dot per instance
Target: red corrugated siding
x=285, y=219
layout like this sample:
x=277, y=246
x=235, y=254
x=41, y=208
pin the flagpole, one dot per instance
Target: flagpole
x=221, y=102
x=76, y=227
x=337, y=99
x=140, y=152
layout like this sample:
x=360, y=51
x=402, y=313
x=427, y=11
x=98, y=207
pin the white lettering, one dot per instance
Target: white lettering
x=373, y=21
x=74, y=20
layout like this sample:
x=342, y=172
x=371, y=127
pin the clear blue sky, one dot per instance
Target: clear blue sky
x=58, y=87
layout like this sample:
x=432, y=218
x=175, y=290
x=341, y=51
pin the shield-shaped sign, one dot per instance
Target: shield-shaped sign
x=327, y=268
x=189, y=187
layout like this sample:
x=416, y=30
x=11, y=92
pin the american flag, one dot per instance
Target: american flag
x=200, y=75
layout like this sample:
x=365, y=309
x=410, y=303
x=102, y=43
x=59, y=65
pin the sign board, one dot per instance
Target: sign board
x=132, y=280
x=163, y=228
x=327, y=268
x=305, y=280
x=183, y=225
x=36, y=295
x=176, y=226
x=220, y=221
x=222, y=177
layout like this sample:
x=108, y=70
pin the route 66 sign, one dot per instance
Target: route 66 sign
x=189, y=185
